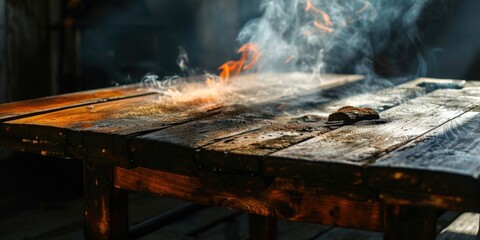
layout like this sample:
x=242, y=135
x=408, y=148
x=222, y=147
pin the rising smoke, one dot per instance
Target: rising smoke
x=315, y=36
x=331, y=36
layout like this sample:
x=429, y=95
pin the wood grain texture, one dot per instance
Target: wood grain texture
x=174, y=149
x=450, y=152
x=246, y=152
x=298, y=206
x=94, y=130
x=12, y=110
x=180, y=144
x=346, y=150
x=97, y=132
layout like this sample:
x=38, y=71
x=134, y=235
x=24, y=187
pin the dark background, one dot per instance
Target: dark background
x=49, y=47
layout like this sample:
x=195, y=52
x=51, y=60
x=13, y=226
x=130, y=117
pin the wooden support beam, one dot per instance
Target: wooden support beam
x=106, y=207
x=301, y=205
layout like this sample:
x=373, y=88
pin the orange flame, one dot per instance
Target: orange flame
x=249, y=53
x=327, y=22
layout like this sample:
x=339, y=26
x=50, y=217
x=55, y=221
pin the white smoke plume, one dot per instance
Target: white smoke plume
x=326, y=36
x=309, y=36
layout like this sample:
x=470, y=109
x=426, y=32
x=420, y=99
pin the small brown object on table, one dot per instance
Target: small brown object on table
x=350, y=114
x=394, y=177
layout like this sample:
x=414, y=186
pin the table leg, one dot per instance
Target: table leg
x=106, y=207
x=261, y=227
x=410, y=223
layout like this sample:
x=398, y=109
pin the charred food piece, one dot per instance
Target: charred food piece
x=350, y=114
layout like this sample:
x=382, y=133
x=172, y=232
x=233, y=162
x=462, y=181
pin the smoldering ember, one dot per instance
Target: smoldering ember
x=233, y=119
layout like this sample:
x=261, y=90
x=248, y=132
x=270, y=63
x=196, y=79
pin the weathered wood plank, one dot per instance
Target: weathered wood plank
x=321, y=208
x=19, y=109
x=346, y=150
x=127, y=116
x=450, y=152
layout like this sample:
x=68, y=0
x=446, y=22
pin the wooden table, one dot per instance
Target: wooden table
x=265, y=149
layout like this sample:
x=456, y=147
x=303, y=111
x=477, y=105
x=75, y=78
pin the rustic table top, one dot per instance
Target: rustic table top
x=427, y=152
